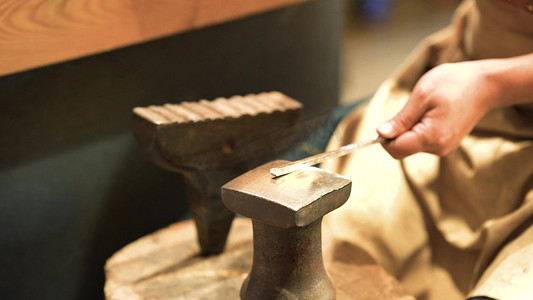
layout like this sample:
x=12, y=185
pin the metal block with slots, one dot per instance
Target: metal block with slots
x=212, y=142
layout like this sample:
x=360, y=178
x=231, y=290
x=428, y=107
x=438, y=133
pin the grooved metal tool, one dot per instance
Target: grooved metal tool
x=212, y=142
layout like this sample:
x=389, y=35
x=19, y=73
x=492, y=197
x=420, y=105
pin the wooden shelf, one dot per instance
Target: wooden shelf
x=35, y=33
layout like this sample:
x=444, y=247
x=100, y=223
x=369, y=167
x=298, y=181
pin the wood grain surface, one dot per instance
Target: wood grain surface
x=166, y=265
x=39, y=32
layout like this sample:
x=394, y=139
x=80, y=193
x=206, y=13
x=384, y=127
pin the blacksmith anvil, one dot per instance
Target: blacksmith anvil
x=212, y=142
x=287, y=215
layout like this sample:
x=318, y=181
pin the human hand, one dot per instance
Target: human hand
x=444, y=106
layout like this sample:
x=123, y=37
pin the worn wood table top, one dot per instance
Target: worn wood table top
x=166, y=265
x=34, y=33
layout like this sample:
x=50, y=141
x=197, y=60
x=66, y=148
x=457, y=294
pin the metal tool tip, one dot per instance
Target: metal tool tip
x=276, y=172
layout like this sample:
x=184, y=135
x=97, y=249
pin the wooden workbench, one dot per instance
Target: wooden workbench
x=34, y=33
x=166, y=265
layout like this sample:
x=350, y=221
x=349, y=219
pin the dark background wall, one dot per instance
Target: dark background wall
x=74, y=188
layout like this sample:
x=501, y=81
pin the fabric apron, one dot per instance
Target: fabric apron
x=460, y=225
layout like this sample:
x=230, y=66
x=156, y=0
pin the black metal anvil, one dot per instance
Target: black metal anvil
x=212, y=142
x=287, y=214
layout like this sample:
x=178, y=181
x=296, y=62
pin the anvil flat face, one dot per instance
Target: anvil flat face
x=295, y=199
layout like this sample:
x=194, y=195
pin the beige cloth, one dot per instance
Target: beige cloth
x=461, y=225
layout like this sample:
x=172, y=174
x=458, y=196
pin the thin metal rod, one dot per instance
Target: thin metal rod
x=321, y=157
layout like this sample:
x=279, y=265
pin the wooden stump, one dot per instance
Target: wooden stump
x=166, y=265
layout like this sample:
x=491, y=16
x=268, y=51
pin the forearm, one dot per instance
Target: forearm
x=449, y=100
x=512, y=80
